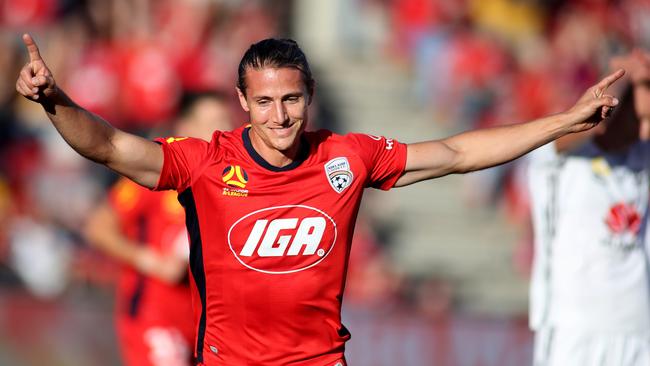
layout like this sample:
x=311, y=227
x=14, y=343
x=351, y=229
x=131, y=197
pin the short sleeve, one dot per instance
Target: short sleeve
x=182, y=158
x=385, y=159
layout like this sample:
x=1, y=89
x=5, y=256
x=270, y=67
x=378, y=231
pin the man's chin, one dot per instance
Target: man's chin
x=285, y=133
x=287, y=145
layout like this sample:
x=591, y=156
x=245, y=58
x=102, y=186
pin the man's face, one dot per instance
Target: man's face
x=276, y=100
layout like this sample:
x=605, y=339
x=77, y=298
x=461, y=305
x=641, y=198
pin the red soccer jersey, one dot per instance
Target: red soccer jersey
x=269, y=246
x=144, y=303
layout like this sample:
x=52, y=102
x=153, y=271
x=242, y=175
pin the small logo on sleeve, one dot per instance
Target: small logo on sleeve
x=339, y=173
x=389, y=142
x=174, y=139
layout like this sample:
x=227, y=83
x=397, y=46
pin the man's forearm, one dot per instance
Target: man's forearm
x=165, y=267
x=87, y=133
x=480, y=149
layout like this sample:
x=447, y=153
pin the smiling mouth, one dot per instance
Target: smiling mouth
x=282, y=130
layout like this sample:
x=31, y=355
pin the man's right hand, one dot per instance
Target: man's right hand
x=35, y=81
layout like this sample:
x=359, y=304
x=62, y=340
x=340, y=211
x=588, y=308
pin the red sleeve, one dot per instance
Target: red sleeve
x=384, y=158
x=183, y=156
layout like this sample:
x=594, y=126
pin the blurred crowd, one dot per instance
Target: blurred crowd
x=483, y=63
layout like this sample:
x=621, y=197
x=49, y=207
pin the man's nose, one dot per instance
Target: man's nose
x=280, y=113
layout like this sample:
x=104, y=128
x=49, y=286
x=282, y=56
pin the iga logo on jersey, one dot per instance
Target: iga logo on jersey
x=339, y=174
x=282, y=239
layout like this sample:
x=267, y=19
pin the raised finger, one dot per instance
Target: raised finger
x=32, y=48
x=608, y=80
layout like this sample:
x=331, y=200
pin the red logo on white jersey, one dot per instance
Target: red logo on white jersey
x=623, y=217
x=282, y=239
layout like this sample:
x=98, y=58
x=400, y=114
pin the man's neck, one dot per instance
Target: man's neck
x=273, y=156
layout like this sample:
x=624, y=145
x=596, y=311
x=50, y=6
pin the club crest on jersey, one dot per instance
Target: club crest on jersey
x=339, y=174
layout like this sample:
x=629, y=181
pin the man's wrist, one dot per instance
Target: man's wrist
x=144, y=260
x=562, y=123
x=56, y=97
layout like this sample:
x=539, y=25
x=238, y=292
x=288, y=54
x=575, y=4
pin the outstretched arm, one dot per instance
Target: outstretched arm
x=102, y=231
x=480, y=149
x=88, y=134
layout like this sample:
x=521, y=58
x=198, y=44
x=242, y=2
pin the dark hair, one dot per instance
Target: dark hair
x=189, y=99
x=278, y=53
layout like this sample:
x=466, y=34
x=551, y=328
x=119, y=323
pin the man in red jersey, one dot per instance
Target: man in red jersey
x=145, y=231
x=270, y=208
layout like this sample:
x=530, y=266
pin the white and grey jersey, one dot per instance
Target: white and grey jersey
x=590, y=211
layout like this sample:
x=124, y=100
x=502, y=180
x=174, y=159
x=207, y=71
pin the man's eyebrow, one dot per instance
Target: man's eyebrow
x=260, y=97
x=295, y=94
x=288, y=95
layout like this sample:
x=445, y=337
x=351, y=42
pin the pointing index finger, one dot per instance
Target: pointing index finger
x=609, y=80
x=32, y=48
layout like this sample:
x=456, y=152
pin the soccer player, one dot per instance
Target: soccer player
x=270, y=208
x=145, y=231
x=590, y=289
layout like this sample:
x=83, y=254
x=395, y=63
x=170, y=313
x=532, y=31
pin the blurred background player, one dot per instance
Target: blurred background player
x=590, y=291
x=145, y=231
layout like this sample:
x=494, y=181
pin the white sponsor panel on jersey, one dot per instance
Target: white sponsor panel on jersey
x=282, y=239
x=339, y=173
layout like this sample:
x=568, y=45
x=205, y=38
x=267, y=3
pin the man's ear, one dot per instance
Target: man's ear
x=242, y=100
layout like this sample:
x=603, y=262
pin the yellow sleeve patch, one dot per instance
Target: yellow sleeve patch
x=174, y=139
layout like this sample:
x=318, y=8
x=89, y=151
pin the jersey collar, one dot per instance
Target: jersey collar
x=303, y=153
